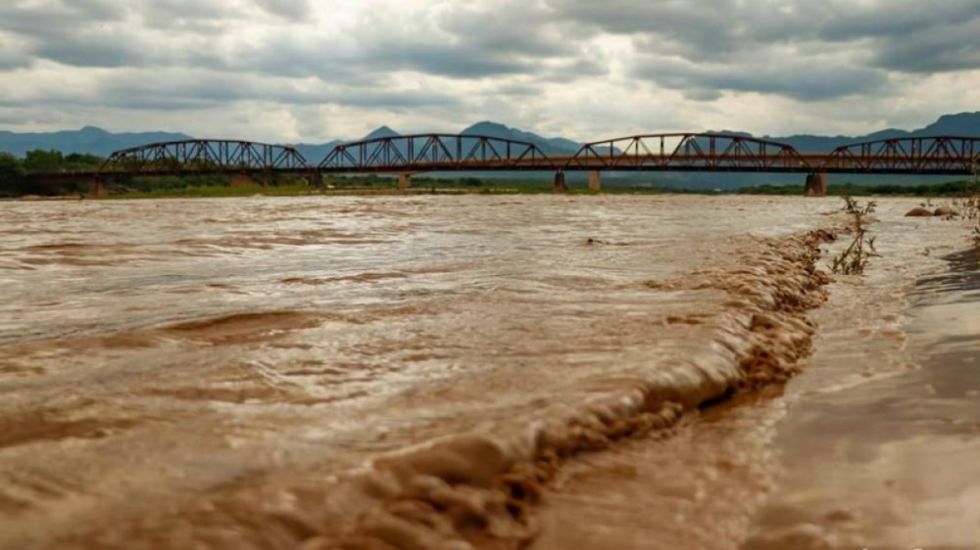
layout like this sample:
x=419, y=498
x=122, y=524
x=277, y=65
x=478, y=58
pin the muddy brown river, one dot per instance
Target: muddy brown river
x=440, y=372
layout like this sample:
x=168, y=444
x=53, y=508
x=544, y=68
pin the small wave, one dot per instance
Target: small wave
x=484, y=485
x=368, y=277
x=57, y=424
x=62, y=246
x=242, y=327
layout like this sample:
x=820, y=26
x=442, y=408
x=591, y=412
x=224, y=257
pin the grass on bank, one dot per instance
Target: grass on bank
x=363, y=185
x=853, y=259
x=303, y=190
x=369, y=185
x=219, y=186
x=948, y=189
x=214, y=191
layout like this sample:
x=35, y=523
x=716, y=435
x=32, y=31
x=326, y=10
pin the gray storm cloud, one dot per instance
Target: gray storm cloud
x=459, y=61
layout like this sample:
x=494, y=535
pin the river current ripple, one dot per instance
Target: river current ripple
x=220, y=371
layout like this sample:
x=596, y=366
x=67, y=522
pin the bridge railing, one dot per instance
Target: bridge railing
x=433, y=152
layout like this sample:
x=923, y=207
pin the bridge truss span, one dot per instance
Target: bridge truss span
x=404, y=156
x=435, y=152
x=938, y=155
x=204, y=156
x=716, y=152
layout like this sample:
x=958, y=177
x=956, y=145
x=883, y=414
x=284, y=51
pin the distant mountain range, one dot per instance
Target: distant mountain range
x=315, y=152
x=100, y=142
x=90, y=140
x=963, y=124
x=548, y=145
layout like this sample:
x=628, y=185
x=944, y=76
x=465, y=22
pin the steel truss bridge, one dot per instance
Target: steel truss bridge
x=671, y=152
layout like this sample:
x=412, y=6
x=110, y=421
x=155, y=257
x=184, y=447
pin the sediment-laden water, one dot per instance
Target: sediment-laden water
x=422, y=372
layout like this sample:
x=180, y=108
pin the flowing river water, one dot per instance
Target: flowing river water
x=482, y=371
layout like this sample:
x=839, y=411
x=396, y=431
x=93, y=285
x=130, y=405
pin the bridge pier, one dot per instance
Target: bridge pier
x=595, y=180
x=96, y=188
x=404, y=181
x=816, y=185
x=560, y=186
x=314, y=179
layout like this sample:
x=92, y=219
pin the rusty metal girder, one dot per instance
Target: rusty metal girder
x=688, y=151
x=707, y=152
x=434, y=152
x=204, y=156
x=939, y=154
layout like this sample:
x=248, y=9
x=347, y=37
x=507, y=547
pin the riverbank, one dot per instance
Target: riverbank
x=889, y=461
x=224, y=192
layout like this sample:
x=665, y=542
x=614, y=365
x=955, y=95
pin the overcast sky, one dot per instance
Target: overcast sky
x=312, y=70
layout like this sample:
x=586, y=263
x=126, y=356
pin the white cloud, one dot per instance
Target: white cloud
x=302, y=70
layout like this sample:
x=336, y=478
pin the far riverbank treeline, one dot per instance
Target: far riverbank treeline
x=15, y=180
x=14, y=172
x=947, y=189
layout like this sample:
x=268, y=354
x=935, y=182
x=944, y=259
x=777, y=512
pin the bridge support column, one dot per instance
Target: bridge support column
x=314, y=179
x=96, y=188
x=816, y=185
x=595, y=180
x=404, y=181
x=560, y=186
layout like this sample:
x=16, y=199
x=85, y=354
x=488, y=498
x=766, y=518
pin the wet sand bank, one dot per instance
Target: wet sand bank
x=892, y=463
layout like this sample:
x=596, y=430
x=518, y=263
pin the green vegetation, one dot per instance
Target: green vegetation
x=948, y=189
x=375, y=184
x=38, y=161
x=854, y=258
x=216, y=191
x=54, y=161
x=14, y=172
x=439, y=185
x=11, y=175
x=367, y=185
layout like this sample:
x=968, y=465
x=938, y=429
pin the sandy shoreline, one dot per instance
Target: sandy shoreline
x=890, y=463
